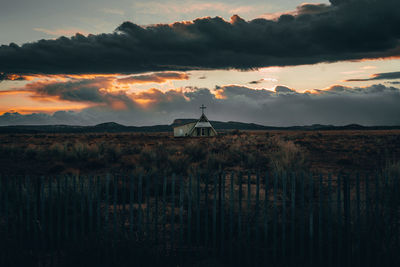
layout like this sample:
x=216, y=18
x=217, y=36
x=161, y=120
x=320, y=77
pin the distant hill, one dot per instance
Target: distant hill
x=112, y=127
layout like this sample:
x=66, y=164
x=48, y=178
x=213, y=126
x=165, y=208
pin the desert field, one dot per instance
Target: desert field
x=274, y=151
x=57, y=199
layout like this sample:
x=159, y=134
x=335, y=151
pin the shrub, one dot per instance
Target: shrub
x=178, y=163
x=31, y=151
x=287, y=156
x=196, y=151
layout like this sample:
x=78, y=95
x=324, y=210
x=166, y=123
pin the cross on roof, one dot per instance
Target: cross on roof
x=202, y=108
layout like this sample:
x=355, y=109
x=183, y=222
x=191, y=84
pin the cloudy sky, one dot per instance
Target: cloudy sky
x=270, y=62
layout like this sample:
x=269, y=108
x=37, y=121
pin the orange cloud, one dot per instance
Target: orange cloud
x=118, y=105
x=13, y=92
x=220, y=94
x=154, y=96
x=48, y=109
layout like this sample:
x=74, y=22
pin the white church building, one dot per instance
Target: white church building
x=202, y=127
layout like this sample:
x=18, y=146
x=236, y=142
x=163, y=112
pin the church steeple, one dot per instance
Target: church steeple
x=202, y=109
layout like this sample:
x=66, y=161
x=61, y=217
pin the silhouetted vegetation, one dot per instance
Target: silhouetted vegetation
x=351, y=151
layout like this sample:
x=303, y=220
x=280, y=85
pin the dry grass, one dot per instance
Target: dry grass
x=329, y=151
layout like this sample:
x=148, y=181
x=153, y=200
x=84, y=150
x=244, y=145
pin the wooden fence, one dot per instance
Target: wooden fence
x=230, y=219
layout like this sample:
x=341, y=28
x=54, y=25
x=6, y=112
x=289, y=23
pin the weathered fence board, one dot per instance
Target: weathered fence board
x=285, y=218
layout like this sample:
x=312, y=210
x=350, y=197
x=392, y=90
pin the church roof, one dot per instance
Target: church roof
x=181, y=122
x=203, y=122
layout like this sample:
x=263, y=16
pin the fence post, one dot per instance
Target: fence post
x=131, y=198
x=124, y=205
x=257, y=220
x=66, y=192
x=173, y=211
x=189, y=221
x=275, y=219
x=358, y=216
x=284, y=217
x=20, y=200
x=257, y=206
x=329, y=220
x=28, y=205
x=75, y=212
x=148, y=204
x=140, y=211
x=248, y=212
x=35, y=216
x=248, y=218
x=42, y=213
x=181, y=199
x=240, y=209
x=198, y=210
x=99, y=228
x=51, y=205
x=339, y=223
x=83, y=215
x=266, y=203
x=346, y=199
x=320, y=222
x=222, y=199
x=98, y=205
x=377, y=201
x=231, y=211
x=106, y=206
x=293, y=219
x=6, y=208
x=311, y=219
x=214, y=217
x=367, y=220
x=115, y=208
x=157, y=186
x=59, y=201
x=90, y=204
x=164, y=211
x=302, y=219
x=206, y=211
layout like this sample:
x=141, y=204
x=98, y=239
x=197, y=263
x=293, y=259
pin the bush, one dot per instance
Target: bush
x=31, y=152
x=287, y=156
x=196, y=151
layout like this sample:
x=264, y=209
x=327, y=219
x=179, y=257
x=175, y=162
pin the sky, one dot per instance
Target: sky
x=278, y=63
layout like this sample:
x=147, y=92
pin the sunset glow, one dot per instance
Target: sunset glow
x=205, y=61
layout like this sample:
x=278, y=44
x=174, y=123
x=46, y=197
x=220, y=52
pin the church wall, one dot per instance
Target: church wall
x=208, y=132
x=183, y=130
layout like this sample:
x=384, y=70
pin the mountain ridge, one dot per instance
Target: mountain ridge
x=113, y=127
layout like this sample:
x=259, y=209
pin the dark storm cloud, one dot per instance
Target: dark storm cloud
x=11, y=77
x=379, y=76
x=77, y=91
x=160, y=77
x=310, y=9
x=340, y=2
x=346, y=30
x=256, y=82
x=86, y=90
x=337, y=105
x=284, y=90
x=234, y=91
